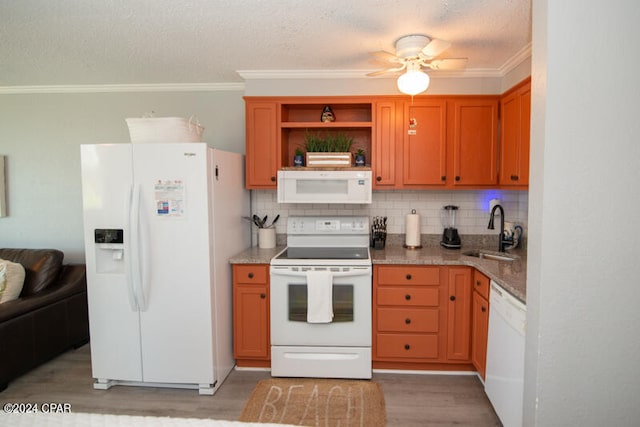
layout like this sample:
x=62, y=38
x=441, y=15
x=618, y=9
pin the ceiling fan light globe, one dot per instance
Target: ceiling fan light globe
x=413, y=82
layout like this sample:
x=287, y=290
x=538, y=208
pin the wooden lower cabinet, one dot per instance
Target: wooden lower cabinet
x=415, y=323
x=480, y=322
x=251, y=338
x=459, y=314
x=424, y=317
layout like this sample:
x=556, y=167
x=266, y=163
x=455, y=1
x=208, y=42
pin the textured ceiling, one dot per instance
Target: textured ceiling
x=89, y=42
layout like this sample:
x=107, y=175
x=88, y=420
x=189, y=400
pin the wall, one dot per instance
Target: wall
x=41, y=135
x=301, y=85
x=473, y=215
x=582, y=346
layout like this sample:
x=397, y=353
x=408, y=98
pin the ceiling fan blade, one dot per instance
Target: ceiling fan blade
x=435, y=48
x=384, y=56
x=448, y=64
x=390, y=70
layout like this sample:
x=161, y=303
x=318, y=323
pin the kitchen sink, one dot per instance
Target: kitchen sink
x=496, y=256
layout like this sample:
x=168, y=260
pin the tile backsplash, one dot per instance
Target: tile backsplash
x=473, y=213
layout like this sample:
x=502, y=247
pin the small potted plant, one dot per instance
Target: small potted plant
x=298, y=158
x=330, y=150
x=360, y=158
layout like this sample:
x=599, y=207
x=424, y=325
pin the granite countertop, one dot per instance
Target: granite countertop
x=511, y=275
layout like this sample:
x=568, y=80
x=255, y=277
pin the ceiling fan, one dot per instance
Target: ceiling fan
x=413, y=53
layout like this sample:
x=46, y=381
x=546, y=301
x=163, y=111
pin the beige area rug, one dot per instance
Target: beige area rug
x=316, y=402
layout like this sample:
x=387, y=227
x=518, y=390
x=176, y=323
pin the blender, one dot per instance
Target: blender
x=450, y=237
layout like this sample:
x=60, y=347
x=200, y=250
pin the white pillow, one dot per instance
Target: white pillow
x=12, y=276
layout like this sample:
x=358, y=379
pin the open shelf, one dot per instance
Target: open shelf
x=320, y=125
x=296, y=117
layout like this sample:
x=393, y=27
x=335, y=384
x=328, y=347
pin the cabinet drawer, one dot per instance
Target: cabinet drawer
x=250, y=273
x=481, y=284
x=407, y=320
x=407, y=346
x=408, y=275
x=405, y=296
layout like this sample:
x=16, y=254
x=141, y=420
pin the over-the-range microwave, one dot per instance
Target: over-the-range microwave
x=324, y=186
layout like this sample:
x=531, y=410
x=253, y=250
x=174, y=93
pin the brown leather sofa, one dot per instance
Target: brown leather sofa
x=50, y=316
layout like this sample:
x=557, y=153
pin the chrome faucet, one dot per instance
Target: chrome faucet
x=502, y=241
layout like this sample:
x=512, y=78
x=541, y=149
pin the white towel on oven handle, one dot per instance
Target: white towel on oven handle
x=319, y=296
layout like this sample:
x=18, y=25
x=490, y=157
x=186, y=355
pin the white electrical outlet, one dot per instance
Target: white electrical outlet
x=493, y=203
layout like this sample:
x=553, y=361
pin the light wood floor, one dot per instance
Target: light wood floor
x=411, y=400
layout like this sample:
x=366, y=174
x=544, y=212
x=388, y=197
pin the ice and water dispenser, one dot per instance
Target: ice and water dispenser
x=109, y=247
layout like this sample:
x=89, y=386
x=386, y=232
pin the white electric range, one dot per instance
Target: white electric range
x=333, y=252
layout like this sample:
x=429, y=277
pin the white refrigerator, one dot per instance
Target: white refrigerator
x=160, y=223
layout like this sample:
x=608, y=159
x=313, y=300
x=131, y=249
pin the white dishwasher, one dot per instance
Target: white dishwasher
x=504, y=380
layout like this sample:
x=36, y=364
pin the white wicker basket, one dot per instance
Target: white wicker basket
x=164, y=129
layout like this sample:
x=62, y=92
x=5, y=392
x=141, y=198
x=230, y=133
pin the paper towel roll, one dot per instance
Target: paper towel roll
x=412, y=233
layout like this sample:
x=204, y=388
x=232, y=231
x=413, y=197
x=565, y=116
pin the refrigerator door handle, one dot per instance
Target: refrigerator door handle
x=136, y=271
x=128, y=191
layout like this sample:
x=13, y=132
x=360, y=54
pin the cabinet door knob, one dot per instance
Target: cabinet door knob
x=408, y=276
x=457, y=178
x=443, y=178
x=407, y=297
x=452, y=297
x=250, y=275
x=484, y=309
x=407, y=321
x=378, y=178
x=263, y=296
x=407, y=347
x=478, y=283
x=273, y=179
x=514, y=177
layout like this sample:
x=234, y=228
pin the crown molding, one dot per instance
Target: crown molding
x=301, y=74
x=161, y=87
x=516, y=59
x=358, y=74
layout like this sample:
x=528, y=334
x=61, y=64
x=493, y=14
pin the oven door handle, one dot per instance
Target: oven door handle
x=366, y=271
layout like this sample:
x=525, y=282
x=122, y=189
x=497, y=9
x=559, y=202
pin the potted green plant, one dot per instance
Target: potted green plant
x=298, y=158
x=360, y=158
x=332, y=150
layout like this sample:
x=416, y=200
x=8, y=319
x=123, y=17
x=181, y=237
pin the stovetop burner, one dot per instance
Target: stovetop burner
x=324, y=254
x=326, y=240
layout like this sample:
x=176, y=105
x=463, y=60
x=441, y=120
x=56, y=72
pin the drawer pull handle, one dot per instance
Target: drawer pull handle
x=263, y=296
x=452, y=298
x=407, y=297
x=407, y=321
x=407, y=347
x=408, y=277
x=250, y=275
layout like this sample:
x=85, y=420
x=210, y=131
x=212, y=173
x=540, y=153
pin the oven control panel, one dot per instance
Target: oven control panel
x=328, y=225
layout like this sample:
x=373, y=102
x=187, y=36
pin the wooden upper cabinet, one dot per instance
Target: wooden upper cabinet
x=515, y=117
x=261, y=144
x=424, y=143
x=474, y=141
x=385, y=145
